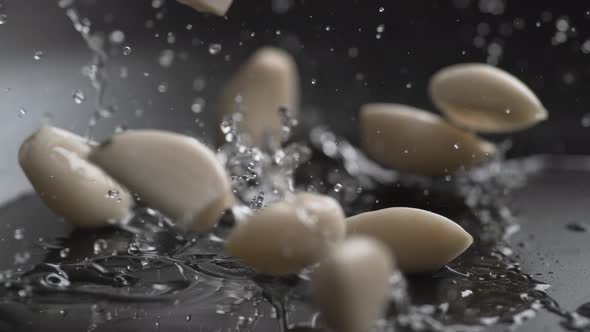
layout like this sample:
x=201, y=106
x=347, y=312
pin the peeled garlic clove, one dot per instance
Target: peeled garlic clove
x=55, y=161
x=421, y=240
x=415, y=141
x=351, y=285
x=287, y=236
x=267, y=82
x=217, y=7
x=173, y=173
x=485, y=98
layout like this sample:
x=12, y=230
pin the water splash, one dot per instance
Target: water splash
x=261, y=176
x=96, y=71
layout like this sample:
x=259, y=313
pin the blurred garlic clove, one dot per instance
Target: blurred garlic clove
x=484, y=98
x=266, y=83
x=415, y=141
x=55, y=161
x=287, y=236
x=173, y=173
x=217, y=7
x=421, y=240
x=351, y=285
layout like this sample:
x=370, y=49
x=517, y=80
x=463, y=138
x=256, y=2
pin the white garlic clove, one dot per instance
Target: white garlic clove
x=421, y=240
x=415, y=141
x=287, y=236
x=351, y=285
x=484, y=98
x=173, y=173
x=217, y=7
x=55, y=161
x=267, y=82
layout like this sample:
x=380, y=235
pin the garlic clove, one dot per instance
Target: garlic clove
x=421, y=240
x=485, y=98
x=289, y=235
x=55, y=161
x=175, y=174
x=415, y=141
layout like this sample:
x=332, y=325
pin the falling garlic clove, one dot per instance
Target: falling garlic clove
x=55, y=161
x=421, y=240
x=265, y=84
x=415, y=141
x=351, y=285
x=217, y=7
x=173, y=173
x=287, y=236
x=484, y=98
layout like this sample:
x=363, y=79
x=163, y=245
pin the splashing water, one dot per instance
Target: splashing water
x=96, y=70
x=261, y=176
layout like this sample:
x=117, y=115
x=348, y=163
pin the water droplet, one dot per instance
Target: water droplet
x=126, y=50
x=19, y=234
x=63, y=313
x=56, y=280
x=38, y=55
x=170, y=38
x=25, y=292
x=257, y=201
x=199, y=84
x=337, y=187
x=189, y=27
x=22, y=112
x=117, y=37
x=188, y=318
x=113, y=193
x=380, y=28
x=508, y=111
x=163, y=87
x=22, y=257
x=65, y=252
x=381, y=9
x=65, y=3
x=157, y=3
x=198, y=105
x=3, y=18
x=100, y=245
x=78, y=96
x=585, y=120
x=166, y=58
x=313, y=81
x=215, y=48
x=456, y=146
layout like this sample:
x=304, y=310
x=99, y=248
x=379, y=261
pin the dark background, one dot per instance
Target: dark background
x=419, y=37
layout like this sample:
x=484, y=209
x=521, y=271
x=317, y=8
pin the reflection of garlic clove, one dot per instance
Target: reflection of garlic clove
x=267, y=82
x=287, y=236
x=217, y=7
x=173, y=173
x=351, y=285
x=411, y=140
x=485, y=98
x=421, y=240
x=55, y=161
